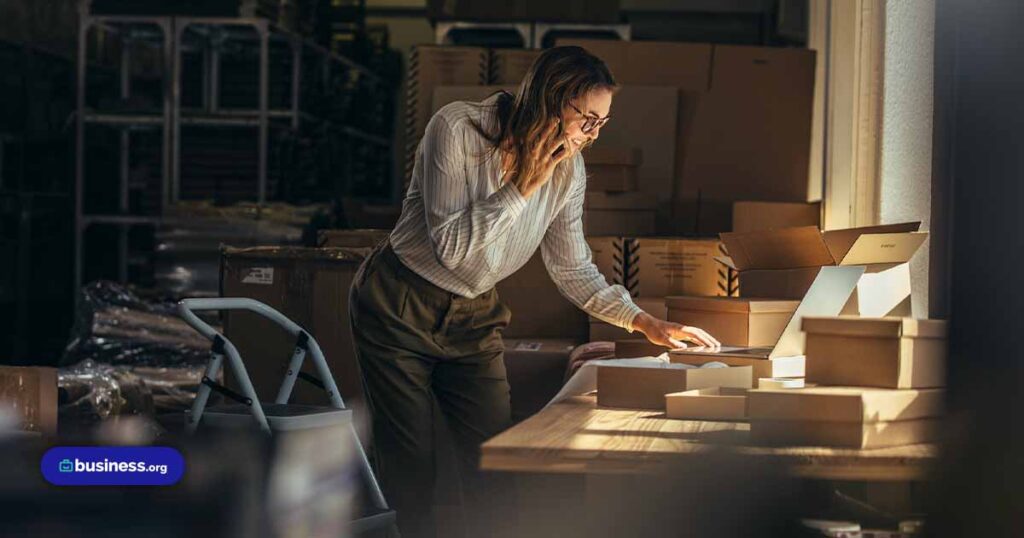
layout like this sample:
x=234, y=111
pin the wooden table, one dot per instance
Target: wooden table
x=577, y=436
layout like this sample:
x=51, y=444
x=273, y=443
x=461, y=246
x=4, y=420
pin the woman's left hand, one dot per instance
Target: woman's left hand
x=673, y=335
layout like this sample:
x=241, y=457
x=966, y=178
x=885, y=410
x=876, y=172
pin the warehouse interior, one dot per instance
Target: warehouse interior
x=800, y=223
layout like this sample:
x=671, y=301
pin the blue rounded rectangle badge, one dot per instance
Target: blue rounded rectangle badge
x=112, y=466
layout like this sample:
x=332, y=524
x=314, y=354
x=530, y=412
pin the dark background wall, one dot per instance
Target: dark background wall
x=979, y=173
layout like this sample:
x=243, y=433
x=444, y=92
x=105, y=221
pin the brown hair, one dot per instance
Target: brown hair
x=559, y=76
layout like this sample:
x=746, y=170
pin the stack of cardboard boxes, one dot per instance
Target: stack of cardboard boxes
x=871, y=381
x=879, y=383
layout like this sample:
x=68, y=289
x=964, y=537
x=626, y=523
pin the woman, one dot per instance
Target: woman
x=492, y=182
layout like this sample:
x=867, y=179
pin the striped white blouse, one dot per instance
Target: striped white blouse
x=464, y=231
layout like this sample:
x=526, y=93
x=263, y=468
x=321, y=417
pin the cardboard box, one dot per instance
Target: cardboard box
x=851, y=417
x=644, y=117
x=752, y=145
x=779, y=367
x=311, y=287
x=659, y=267
x=700, y=216
x=29, y=395
x=536, y=369
x=430, y=66
x=351, y=238
x=734, y=321
x=645, y=387
x=845, y=404
x=612, y=169
x=575, y=11
x=876, y=352
x=882, y=250
x=600, y=330
x=444, y=95
x=509, y=66
x=846, y=434
x=539, y=310
x=716, y=403
x=621, y=213
x=653, y=63
x=756, y=216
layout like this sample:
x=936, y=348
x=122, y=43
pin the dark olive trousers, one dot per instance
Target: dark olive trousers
x=422, y=350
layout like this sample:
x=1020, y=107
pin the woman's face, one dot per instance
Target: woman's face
x=595, y=104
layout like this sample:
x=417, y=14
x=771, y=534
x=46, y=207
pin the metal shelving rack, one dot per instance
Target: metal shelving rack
x=169, y=34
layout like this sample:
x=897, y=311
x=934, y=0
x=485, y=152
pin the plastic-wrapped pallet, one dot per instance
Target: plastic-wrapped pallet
x=115, y=326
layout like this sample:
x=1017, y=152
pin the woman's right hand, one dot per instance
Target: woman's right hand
x=542, y=156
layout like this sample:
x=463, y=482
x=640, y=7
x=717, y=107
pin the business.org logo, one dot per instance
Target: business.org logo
x=106, y=466
x=112, y=466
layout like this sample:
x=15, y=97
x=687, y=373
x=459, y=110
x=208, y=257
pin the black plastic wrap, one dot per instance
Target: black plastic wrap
x=114, y=326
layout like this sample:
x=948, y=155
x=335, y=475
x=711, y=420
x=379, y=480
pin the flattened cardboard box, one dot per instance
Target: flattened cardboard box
x=716, y=403
x=757, y=216
x=645, y=118
x=641, y=387
x=846, y=434
x=876, y=352
x=745, y=145
x=539, y=310
x=734, y=321
x=431, y=66
x=29, y=394
x=653, y=63
x=536, y=368
x=619, y=213
x=509, y=66
x=444, y=95
x=612, y=169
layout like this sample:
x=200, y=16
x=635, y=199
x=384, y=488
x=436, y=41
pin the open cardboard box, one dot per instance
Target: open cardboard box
x=826, y=296
x=645, y=387
x=715, y=403
x=779, y=262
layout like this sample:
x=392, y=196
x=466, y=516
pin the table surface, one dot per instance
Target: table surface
x=577, y=436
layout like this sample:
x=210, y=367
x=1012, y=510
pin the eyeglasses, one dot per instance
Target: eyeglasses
x=590, y=123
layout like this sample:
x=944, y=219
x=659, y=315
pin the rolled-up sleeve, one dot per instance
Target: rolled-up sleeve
x=570, y=264
x=457, y=225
